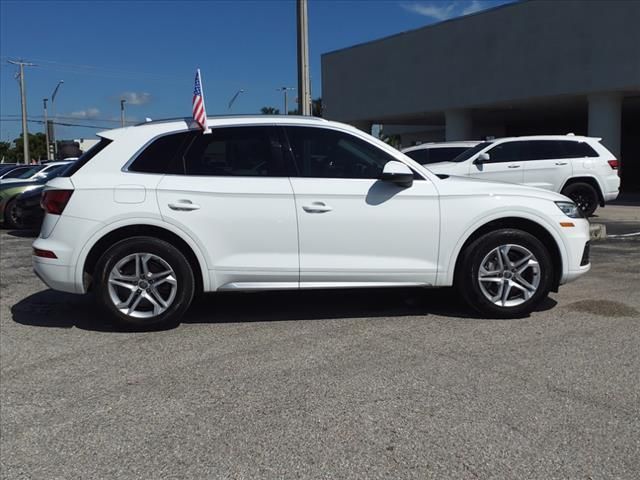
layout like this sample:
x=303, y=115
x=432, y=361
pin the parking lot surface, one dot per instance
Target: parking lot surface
x=402, y=383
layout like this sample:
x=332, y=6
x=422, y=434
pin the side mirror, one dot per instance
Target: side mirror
x=398, y=173
x=482, y=158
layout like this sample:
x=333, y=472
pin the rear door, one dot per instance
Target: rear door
x=234, y=198
x=547, y=163
x=504, y=164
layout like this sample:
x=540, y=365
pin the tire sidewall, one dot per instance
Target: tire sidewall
x=8, y=221
x=171, y=255
x=470, y=268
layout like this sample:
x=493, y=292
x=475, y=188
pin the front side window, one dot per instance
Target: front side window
x=505, y=152
x=236, y=151
x=323, y=153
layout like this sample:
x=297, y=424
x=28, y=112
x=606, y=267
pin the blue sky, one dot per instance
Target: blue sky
x=147, y=52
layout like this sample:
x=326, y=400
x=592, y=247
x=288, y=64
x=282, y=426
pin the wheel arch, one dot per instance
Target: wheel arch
x=593, y=181
x=526, y=225
x=107, y=239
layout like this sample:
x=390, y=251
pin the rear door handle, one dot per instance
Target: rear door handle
x=561, y=163
x=317, y=207
x=514, y=166
x=184, y=205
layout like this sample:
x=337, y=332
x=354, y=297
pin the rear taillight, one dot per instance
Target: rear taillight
x=54, y=201
x=613, y=163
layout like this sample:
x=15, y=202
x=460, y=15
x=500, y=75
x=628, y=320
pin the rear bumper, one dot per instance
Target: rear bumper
x=57, y=277
x=611, y=187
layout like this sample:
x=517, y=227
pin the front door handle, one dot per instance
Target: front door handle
x=561, y=163
x=514, y=166
x=184, y=206
x=317, y=207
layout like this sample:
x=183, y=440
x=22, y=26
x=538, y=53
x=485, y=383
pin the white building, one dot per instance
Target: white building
x=532, y=67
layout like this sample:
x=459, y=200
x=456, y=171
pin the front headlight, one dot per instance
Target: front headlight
x=570, y=209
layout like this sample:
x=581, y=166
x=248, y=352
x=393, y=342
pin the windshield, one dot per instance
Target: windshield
x=467, y=154
x=29, y=173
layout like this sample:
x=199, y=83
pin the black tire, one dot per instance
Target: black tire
x=468, y=272
x=184, y=289
x=584, y=195
x=11, y=217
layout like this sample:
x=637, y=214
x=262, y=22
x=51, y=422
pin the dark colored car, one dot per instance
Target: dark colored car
x=28, y=208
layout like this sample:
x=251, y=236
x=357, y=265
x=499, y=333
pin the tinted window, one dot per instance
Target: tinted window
x=467, y=154
x=445, y=154
x=505, y=152
x=236, y=151
x=421, y=156
x=29, y=172
x=163, y=155
x=85, y=157
x=541, y=149
x=578, y=150
x=15, y=173
x=325, y=153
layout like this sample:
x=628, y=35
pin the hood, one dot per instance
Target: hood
x=468, y=186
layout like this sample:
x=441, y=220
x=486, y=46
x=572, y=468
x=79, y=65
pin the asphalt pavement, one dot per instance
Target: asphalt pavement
x=401, y=383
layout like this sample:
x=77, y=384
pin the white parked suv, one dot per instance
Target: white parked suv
x=157, y=212
x=579, y=167
x=436, y=152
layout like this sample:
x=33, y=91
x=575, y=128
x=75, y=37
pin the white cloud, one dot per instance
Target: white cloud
x=136, y=98
x=444, y=10
x=88, y=113
x=441, y=11
x=473, y=7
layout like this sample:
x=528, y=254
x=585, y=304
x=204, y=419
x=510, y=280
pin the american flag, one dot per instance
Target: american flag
x=199, y=112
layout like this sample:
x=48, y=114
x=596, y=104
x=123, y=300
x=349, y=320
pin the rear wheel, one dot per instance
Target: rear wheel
x=144, y=282
x=584, y=195
x=12, y=218
x=505, y=273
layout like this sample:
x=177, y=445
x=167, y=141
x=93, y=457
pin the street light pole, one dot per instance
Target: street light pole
x=46, y=127
x=53, y=130
x=286, y=105
x=304, y=96
x=23, y=104
x=122, y=102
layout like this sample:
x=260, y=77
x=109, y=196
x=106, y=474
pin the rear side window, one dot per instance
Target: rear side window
x=85, y=157
x=421, y=156
x=163, y=155
x=553, y=149
x=237, y=152
x=578, y=150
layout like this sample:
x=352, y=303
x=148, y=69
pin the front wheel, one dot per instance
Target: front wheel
x=12, y=217
x=144, y=282
x=505, y=273
x=584, y=196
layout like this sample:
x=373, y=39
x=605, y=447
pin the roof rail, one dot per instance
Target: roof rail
x=190, y=119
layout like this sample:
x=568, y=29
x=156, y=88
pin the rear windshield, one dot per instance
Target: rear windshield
x=31, y=172
x=467, y=154
x=85, y=157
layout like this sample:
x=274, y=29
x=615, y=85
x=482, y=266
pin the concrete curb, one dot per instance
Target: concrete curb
x=598, y=231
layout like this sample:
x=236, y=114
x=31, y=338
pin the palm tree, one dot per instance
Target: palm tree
x=270, y=111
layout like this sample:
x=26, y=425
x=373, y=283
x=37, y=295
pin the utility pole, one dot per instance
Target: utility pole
x=286, y=104
x=46, y=127
x=122, y=102
x=23, y=103
x=304, y=97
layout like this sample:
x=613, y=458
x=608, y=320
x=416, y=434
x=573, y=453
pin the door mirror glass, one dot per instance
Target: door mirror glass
x=398, y=173
x=482, y=158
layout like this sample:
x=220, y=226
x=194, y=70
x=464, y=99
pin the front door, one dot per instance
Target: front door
x=504, y=164
x=354, y=229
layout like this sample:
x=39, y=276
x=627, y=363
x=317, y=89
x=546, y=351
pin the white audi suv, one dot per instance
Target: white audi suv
x=155, y=213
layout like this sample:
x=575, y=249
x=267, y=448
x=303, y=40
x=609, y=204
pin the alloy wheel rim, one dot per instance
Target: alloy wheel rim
x=509, y=275
x=142, y=285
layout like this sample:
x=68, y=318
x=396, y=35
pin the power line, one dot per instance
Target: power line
x=64, y=124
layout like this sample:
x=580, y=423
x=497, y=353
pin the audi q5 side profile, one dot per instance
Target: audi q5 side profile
x=155, y=213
